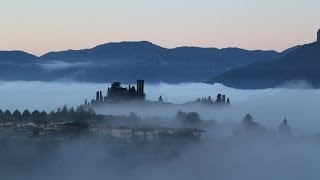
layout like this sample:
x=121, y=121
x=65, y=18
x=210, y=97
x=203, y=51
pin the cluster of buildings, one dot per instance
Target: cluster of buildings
x=116, y=93
x=36, y=128
x=63, y=130
x=139, y=134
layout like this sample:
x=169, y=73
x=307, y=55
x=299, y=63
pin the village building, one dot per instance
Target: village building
x=138, y=134
x=7, y=123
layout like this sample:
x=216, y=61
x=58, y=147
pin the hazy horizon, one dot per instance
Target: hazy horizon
x=40, y=27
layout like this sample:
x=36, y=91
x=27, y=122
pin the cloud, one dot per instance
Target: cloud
x=297, y=84
x=62, y=65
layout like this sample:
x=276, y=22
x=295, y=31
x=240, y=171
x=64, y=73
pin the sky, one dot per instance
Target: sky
x=41, y=26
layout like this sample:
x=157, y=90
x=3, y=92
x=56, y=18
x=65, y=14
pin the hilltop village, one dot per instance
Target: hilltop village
x=83, y=121
x=68, y=123
x=118, y=94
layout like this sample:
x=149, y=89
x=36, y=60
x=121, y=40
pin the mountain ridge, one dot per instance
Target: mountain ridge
x=300, y=64
x=127, y=61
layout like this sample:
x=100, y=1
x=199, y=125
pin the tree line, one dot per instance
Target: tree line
x=79, y=114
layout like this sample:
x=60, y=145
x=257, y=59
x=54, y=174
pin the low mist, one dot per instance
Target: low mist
x=267, y=106
x=229, y=157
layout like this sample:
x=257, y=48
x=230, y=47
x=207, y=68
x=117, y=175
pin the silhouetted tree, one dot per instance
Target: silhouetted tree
x=64, y=111
x=160, y=99
x=35, y=115
x=224, y=98
x=51, y=116
x=116, y=85
x=81, y=115
x=26, y=115
x=228, y=101
x=248, y=122
x=17, y=115
x=43, y=115
x=193, y=118
x=7, y=114
x=284, y=128
x=72, y=113
x=219, y=98
x=1, y=113
x=251, y=126
x=181, y=116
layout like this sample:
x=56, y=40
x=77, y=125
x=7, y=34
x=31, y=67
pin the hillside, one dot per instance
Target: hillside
x=301, y=64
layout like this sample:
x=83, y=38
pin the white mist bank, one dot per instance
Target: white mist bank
x=268, y=106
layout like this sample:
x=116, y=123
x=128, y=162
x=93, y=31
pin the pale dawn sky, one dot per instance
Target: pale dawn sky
x=40, y=26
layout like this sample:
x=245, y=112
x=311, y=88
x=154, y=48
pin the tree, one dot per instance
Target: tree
x=248, y=122
x=193, y=118
x=17, y=115
x=116, y=85
x=284, y=128
x=219, y=98
x=64, y=111
x=1, y=113
x=181, y=116
x=51, y=116
x=160, y=99
x=7, y=114
x=43, y=115
x=26, y=115
x=72, y=113
x=35, y=115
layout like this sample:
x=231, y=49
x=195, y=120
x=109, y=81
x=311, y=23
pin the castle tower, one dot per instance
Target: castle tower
x=140, y=87
x=101, y=98
x=97, y=96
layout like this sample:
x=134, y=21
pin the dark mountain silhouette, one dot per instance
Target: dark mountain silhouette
x=300, y=64
x=16, y=56
x=127, y=61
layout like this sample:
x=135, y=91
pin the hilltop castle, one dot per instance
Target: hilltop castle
x=116, y=93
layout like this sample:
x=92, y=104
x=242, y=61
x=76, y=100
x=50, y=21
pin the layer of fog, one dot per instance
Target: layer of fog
x=61, y=65
x=230, y=159
x=268, y=106
x=226, y=158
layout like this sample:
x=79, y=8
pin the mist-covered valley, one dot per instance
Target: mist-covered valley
x=298, y=103
x=222, y=154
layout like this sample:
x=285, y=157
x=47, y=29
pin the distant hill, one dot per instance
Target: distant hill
x=128, y=61
x=301, y=63
x=16, y=56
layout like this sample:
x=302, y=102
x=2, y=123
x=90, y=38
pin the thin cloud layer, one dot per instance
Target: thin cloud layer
x=62, y=65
